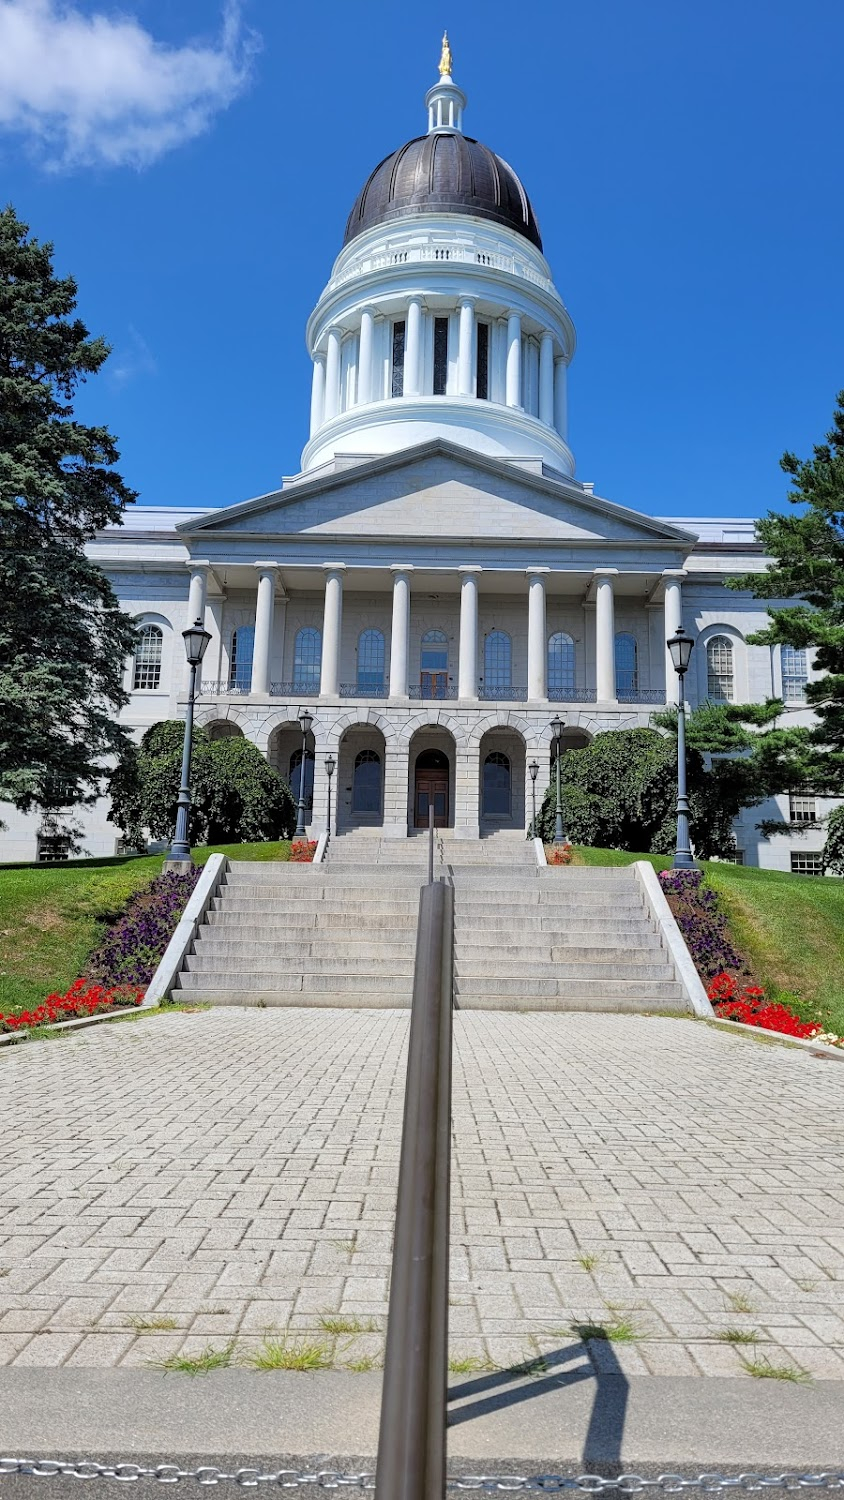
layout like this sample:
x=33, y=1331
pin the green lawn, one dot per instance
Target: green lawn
x=789, y=927
x=52, y=916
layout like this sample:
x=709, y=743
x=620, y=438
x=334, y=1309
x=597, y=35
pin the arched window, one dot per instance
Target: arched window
x=497, y=656
x=497, y=785
x=560, y=664
x=147, y=672
x=719, y=669
x=223, y=729
x=240, y=665
x=366, y=783
x=307, y=658
x=295, y=779
x=433, y=664
x=795, y=673
x=371, y=660
x=626, y=665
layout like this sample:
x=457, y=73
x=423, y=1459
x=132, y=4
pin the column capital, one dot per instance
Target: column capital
x=678, y=573
x=467, y=299
x=267, y=567
x=466, y=570
x=197, y=562
x=537, y=572
x=401, y=568
x=338, y=567
x=605, y=572
x=369, y=310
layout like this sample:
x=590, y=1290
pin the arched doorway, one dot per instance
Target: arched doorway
x=361, y=763
x=284, y=753
x=501, y=780
x=431, y=789
x=224, y=729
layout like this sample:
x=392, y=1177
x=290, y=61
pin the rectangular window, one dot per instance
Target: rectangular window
x=795, y=674
x=483, y=362
x=52, y=847
x=806, y=864
x=801, y=809
x=397, y=388
x=736, y=858
x=440, y=356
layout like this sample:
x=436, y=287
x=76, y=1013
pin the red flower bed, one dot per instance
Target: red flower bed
x=746, y=1003
x=302, y=851
x=84, y=998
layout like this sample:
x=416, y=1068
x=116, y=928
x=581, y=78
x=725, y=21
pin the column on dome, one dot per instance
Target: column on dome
x=467, y=667
x=537, y=683
x=332, y=374
x=318, y=393
x=413, y=349
x=605, y=633
x=400, y=633
x=546, y=379
x=365, y=356
x=197, y=592
x=513, y=394
x=673, y=620
x=329, y=685
x=561, y=420
x=466, y=348
x=263, y=628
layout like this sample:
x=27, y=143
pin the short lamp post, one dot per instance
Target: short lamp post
x=681, y=645
x=196, y=644
x=306, y=720
x=559, y=825
x=330, y=764
x=534, y=772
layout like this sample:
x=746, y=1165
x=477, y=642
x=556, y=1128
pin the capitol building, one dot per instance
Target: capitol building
x=435, y=584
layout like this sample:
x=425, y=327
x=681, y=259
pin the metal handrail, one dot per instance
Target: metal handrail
x=412, y=1436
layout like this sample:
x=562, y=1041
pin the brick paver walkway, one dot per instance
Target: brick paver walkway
x=182, y=1181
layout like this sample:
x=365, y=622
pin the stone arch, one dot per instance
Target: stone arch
x=284, y=753
x=224, y=729
x=429, y=738
x=358, y=743
x=498, y=743
x=434, y=720
x=371, y=718
x=501, y=718
x=239, y=718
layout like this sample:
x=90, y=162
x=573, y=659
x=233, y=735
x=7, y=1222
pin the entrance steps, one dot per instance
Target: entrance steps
x=344, y=933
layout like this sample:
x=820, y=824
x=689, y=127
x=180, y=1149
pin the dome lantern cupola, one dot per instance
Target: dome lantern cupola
x=445, y=102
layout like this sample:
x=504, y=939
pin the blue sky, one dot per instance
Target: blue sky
x=684, y=162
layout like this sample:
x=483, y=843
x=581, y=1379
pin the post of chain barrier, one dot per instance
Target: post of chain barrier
x=411, y=1441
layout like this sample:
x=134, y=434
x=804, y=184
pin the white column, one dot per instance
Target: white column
x=332, y=375
x=466, y=348
x=673, y=619
x=400, y=633
x=546, y=379
x=513, y=396
x=329, y=684
x=367, y=319
x=561, y=420
x=605, y=633
x=318, y=393
x=263, y=628
x=537, y=683
x=196, y=601
x=467, y=669
x=413, y=348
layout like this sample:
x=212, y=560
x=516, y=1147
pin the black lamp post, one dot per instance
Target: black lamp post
x=559, y=826
x=330, y=764
x=196, y=644
x=680, y=646
x=306, y=720
x=534, y=772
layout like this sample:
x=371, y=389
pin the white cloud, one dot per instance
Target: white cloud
x=95, y=89
x=130, y=359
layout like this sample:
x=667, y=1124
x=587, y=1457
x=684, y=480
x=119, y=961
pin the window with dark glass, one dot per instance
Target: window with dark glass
x=626, y=665
x=440, y=356
x=397, y=388
x=433, y=664
x=497, y=656
x=295, y=780
x=366, y=783
x=371, y=660
x=148, y=644
x=307, y=659
x=497, y=785
x=240, y=664
x=560, y=664
x=483, y=362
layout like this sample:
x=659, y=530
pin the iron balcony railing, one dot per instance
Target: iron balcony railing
x=431, y=694
x=294, y=689
x=357, y=690
x=572, y=695
x=641, y=695
x=503, y=694
x=224, y=689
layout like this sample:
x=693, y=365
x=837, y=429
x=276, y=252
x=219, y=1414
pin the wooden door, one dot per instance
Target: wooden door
x=434, y=684
x=431, y=790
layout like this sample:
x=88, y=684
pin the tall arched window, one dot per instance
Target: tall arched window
x=295, y=780
x=626, y=665
x=719, y=669
x=371, y=660
x=147, y=673
x=240, y=665
x=307, y=658
x=795, y=673
x=560, y=664
x=497, y=785
x=433, y=664
x=497, y=658
x=366, y=783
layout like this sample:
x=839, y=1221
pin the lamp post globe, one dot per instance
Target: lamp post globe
x=306, y=719
x=533, y=768
x=681, y=645
x=559, y=825
x=330, y=764
x=196, y=639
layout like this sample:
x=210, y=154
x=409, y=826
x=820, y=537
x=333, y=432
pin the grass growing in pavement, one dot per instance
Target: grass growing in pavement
x=290, y=1354
x=588, y=1260
x=52, y=916
x=739, y=1302
x=151, y=1324
x=618, y=1331
x=762, y=1369
x=739, y=1336
x=335, y=1323
x=197, y=1364
x=471, y=1364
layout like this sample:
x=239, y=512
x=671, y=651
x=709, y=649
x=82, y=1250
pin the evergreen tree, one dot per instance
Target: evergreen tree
x=63, y=639
x=808, y=549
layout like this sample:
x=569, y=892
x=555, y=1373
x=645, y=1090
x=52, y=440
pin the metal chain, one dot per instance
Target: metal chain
x=332, y=1479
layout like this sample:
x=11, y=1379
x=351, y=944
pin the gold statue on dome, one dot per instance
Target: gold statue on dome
x=446, y=59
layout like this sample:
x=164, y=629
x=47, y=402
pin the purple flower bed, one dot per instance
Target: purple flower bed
x=702, y=923
x=131, y=950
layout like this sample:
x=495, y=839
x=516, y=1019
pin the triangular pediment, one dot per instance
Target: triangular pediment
x=436, y=490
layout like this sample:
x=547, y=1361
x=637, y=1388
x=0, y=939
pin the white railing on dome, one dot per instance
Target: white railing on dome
x=463, y=254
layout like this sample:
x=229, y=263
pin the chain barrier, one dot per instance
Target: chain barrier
x=331, y=1479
